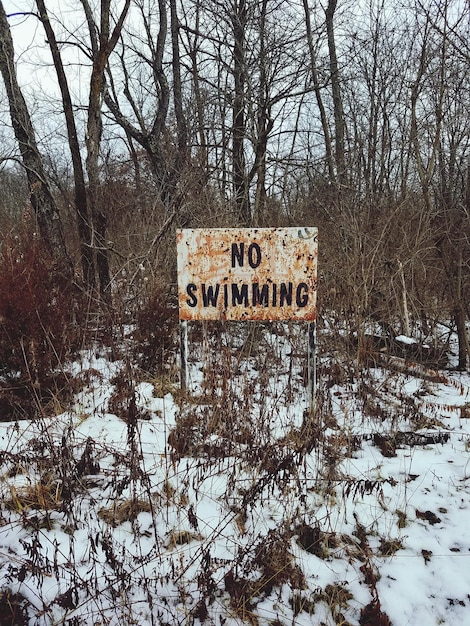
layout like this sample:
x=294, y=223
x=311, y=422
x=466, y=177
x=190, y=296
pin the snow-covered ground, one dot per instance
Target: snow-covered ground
x=232, y=505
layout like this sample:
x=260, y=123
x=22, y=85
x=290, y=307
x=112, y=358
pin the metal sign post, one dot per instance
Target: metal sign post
x=312, y=366
x=183, y=328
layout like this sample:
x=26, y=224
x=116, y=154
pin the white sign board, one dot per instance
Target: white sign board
x=247, y=274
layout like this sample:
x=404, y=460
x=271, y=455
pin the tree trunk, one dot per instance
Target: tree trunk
x=264, y=125
x=318, y=96
x=93, y=141
x=198, y=97
x=181, y=128
x=240, y=181
x=336, y=93
x=81, y=204
x=43, y=203
x=150, y=134
x=102, y=47
x=459, y=312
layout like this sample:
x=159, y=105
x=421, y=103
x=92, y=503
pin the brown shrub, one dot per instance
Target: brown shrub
x=156, y=330
x=39, y=322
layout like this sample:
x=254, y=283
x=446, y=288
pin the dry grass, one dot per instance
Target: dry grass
x=125, y=511
x=45, y=495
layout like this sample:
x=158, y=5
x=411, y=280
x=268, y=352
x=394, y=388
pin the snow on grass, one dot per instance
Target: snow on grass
x=236, y=506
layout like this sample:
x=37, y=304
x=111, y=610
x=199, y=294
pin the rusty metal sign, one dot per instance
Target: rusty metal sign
x=247, y=274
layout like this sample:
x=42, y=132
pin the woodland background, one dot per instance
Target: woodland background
x=122, y=121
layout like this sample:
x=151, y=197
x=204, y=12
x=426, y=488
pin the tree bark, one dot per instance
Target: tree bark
x=81, y=204
x=264, y=125
x=199, y=100
x=318, y=96
x=336, y=93
x=240, y=181
x=181, y=128
x=102, y=46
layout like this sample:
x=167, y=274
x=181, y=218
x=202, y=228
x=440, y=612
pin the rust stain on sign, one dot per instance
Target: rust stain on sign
x=247, y=274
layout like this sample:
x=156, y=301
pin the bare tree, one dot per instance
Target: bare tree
x=80, y=192
x=317, y=87
x=194, y=40
x=42, y=200
x=336, y=93
x=425, y=169
x=147, y=127
x=239, y=20
x=379, y=54
x=181, y=125
x=103, y=38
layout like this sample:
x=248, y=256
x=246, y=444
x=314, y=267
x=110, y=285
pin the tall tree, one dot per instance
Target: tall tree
x=42, y=200
x=240, y=181
x=318, y=93
x=125, y=101
x=181, y=125
x=103, y=41
x=338, y=111
x=81, y=203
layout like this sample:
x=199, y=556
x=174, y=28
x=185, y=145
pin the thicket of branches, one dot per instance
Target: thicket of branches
x=125, y=120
